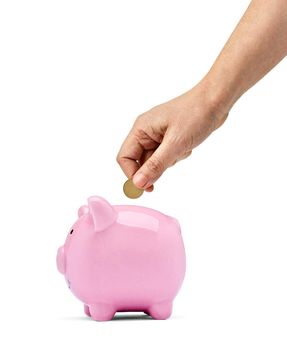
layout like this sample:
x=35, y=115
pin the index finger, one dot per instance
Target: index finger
x=129, y=154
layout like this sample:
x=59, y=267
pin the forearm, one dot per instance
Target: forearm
x=257, y=44
x=169, y=132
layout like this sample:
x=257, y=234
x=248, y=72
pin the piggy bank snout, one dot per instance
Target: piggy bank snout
x=61, y=260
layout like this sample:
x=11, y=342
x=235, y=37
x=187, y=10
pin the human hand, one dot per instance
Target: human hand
x=168, y=133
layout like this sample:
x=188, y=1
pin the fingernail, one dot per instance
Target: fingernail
x=140, y=180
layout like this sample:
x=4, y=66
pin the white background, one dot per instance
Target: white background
x=73, y=77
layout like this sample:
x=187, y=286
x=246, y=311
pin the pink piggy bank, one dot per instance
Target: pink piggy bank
x=123, y=258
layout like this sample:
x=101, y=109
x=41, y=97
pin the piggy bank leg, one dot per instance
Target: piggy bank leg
x=87, y=310
x=160, y=311
x=102, y=312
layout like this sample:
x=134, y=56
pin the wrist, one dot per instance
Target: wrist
x=218, y=100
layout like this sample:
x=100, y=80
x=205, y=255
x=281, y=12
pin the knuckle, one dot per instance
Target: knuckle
x=181, y=142
x=186, y=144
x=139, y=119
x=185, y=155
x=119, y=159
x=155, y=165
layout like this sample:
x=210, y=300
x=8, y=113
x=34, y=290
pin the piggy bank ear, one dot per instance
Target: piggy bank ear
x=84, y=209
x=102, y=212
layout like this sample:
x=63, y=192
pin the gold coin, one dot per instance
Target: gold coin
x=131, y=191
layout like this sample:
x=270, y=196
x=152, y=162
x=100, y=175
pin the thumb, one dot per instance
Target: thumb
x=162, y=158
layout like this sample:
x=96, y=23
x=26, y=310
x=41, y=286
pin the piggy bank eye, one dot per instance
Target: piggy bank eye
x=72, y=230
